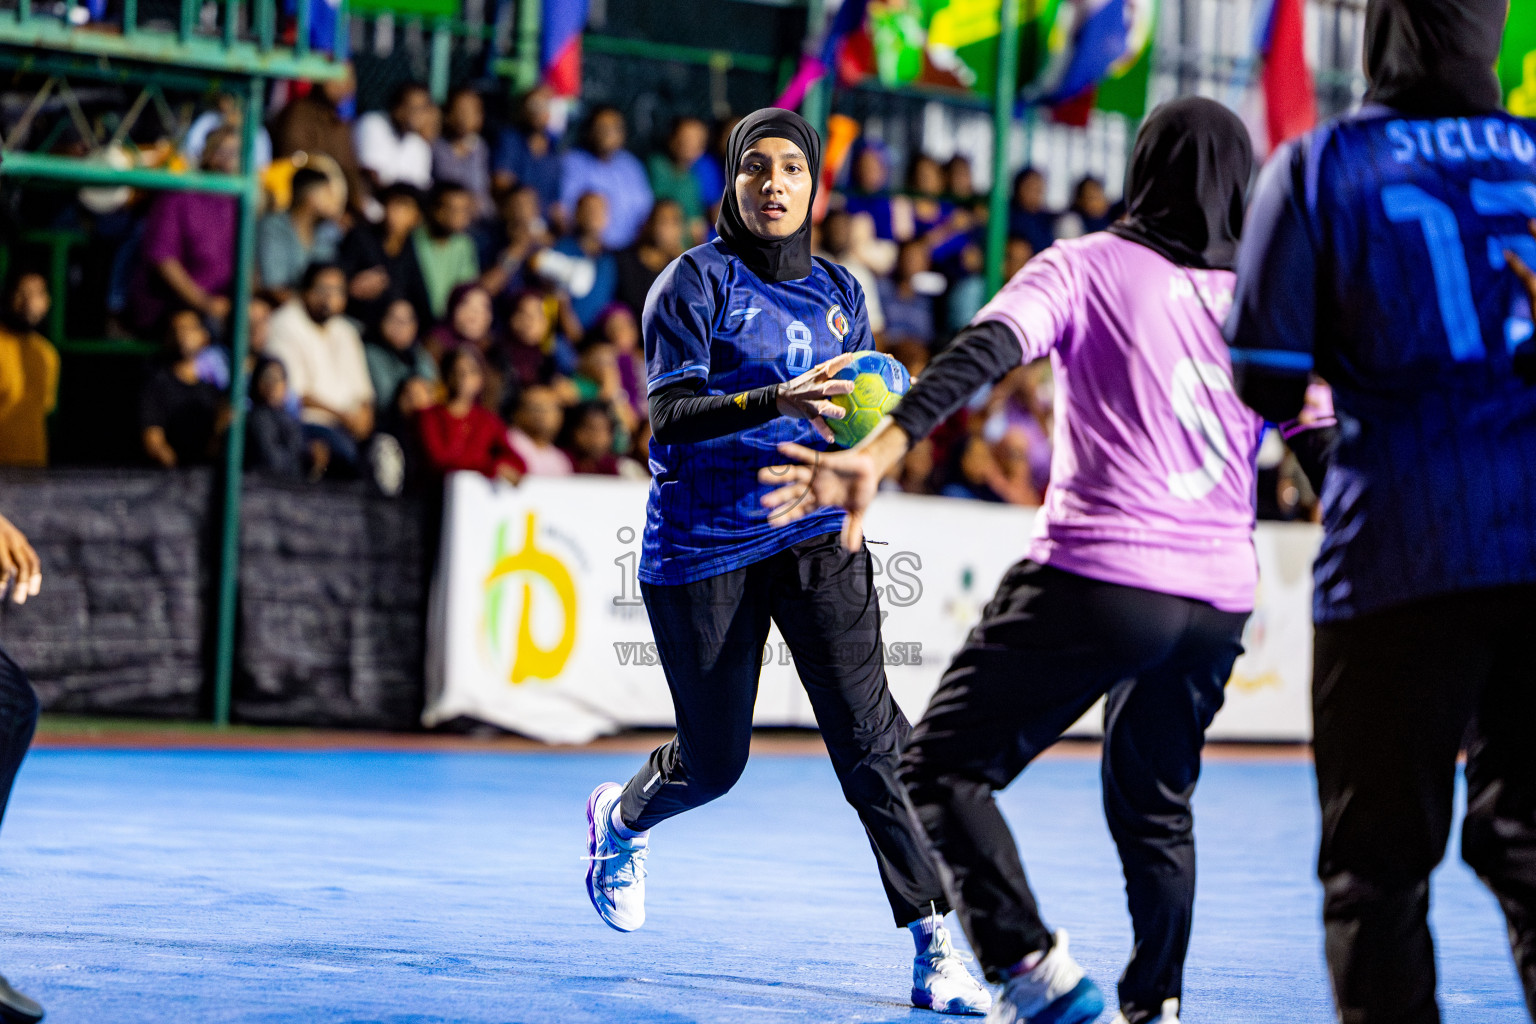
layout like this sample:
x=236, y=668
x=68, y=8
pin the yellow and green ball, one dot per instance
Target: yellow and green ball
x=878, y=384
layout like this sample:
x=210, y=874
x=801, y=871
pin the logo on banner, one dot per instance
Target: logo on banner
x=541, y=583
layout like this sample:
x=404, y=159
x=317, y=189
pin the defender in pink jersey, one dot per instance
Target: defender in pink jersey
x=1152, y=476
x=1137, y=583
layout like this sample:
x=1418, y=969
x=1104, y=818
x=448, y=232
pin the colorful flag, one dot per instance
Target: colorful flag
x=560, y=45
x=842, y=132
x=827, y=56
x=324, y=26
x=1090, y=36
x=1290, y=101
x=1124, y=89
x=1082, y=54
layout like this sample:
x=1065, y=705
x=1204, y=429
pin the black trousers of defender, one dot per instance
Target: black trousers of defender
x=1394, y=695
x=710, y=637
x=1048, y=645
x=18, y=720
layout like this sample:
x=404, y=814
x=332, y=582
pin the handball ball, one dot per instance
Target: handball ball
x=878, y=384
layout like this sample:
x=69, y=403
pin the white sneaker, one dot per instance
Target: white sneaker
x=616, y=877
x=940, y=981
x=1169, y=1014
x=1054, y=991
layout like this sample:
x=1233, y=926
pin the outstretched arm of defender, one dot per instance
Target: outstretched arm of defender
x=847, y=480
x=980, y=354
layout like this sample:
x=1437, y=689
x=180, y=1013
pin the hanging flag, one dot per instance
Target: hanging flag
x=1077, y=111
x=325, y=30
x=1075, y=55
x=1089, y=38
x=325, y=35
x=900, y=40
x=560, y=45
x=1517, y=61
x=1290, y=101
x=842, y=132
x=825, y=56
x=1124, y=89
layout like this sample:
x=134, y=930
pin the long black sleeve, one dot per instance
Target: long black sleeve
x=1314, y=450
x=980, y=354
x=679, y=415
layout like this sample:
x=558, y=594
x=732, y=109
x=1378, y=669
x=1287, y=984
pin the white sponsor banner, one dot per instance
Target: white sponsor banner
x=537, y=623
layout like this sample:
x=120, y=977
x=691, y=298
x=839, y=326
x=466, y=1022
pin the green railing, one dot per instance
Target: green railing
x=244, y=42
x=237, y=56
x=442, y=33
x=714, y=59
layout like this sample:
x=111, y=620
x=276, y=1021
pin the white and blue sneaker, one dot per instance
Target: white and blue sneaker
x=940, y=981
x=1169, y=1014
x=1054, y=991
x=616, y=875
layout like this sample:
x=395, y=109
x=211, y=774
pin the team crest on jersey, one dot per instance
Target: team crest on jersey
x=837, y=322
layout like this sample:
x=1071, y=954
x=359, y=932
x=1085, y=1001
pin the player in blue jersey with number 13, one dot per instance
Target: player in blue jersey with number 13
x=743, y=338
x=1378, y=253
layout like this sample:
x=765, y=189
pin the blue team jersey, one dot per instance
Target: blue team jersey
x=1374, y=253
x=710, y=318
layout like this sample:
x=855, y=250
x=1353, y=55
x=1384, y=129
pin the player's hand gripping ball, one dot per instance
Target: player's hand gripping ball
x=878, y=384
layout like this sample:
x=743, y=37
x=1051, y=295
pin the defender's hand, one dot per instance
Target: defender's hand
x=805, y=397
x=19, y=566
x=818, y=480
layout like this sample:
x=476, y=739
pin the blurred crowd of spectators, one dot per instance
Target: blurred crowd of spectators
x=435, y=293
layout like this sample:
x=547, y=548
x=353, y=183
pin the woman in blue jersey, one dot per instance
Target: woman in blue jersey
x=743, y=337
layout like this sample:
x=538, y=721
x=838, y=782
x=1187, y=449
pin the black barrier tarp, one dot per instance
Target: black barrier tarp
x=332, y=602
x=120, y=624
x=332, y=597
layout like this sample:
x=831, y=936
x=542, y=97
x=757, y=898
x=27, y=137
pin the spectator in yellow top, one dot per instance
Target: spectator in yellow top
x=29, y=374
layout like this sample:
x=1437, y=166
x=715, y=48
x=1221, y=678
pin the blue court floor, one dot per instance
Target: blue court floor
x=195, y=887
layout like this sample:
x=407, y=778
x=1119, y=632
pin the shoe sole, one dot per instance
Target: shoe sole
x=592, y=852
x=924, y=1001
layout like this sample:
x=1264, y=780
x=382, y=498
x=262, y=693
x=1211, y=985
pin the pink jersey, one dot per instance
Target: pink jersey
x=1152, y=480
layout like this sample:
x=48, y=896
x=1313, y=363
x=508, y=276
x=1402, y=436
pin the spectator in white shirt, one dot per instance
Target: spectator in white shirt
x=327, y=369
x=535, y=425
x=393, y=148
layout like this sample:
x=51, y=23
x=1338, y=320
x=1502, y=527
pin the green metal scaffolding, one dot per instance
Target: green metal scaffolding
x=241, y=58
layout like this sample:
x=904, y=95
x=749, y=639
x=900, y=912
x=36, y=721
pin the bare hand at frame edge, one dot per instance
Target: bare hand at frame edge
x=805, y=397
x=848, y=480
x=19, y=565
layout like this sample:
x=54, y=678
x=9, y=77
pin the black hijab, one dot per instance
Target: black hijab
x=1434, y=58
x=1187, y=184
x=784, y=259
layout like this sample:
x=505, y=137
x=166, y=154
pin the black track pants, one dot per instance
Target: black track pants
x=1048, y=646
x=18, y=720
x=710, y=637
x=1394, y=696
